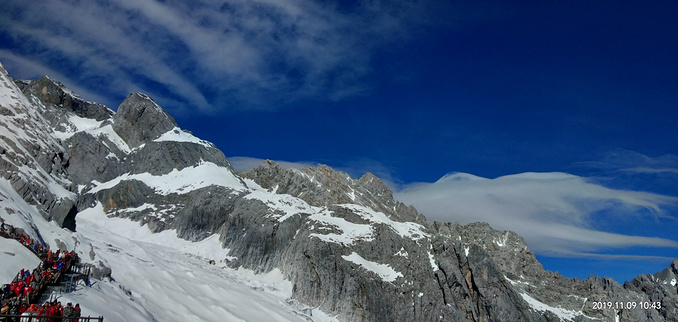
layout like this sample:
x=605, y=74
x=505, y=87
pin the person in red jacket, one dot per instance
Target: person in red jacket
x=77, y=312
x=18, y=287
x=43, y=309
x=52, y=312
x=28, y=290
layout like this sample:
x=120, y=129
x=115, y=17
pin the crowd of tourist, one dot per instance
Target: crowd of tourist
x=48, y=312
x=27, y=285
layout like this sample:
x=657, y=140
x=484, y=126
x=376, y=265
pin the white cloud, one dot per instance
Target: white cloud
x=102, y=42
x=556, y=213
x=32, y=70
x=211, y=54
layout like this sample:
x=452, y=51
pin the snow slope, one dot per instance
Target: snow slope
x=160, y=277
x=169, y=279
x=15, y=257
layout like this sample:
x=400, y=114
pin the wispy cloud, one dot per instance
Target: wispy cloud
x=650, y=170
x=633, y=162
x=648, y=257
x=210, y=55
x=34, y=69
x=104, y=43
x=626, y=169
x=557, y=213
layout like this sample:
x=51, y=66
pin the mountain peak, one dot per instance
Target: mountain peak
x=139, y=119
x=53, y=92
x=374, y=184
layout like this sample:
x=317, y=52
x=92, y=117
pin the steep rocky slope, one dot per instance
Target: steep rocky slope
x=345, y=244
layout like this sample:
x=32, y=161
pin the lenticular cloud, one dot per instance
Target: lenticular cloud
x=556, y=213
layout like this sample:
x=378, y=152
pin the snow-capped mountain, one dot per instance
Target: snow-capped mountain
x=174, y=234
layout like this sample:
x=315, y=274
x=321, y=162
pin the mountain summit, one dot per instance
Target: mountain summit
x=139, y=119
x=347, y=249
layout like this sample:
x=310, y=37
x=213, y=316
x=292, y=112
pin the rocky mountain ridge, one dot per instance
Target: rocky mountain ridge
x=347, y=246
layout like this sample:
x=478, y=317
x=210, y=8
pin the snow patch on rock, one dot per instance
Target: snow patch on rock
x=385, y=272
x=182, y=181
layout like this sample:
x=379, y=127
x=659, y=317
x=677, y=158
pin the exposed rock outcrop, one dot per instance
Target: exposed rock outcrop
x=139, y=119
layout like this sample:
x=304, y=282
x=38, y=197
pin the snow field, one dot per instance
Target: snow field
x=172, y=279
x=15, y=257
x=155, y=276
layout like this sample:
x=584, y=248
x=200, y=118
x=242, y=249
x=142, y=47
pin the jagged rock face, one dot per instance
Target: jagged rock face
x=159, y=157
x=660, y=287
x=347, y=246
x=322, y=186
x=31, y=159
x=52, y=92
x=89, y=159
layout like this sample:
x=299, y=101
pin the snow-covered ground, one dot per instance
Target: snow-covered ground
x=160, y=276
x=15, y=257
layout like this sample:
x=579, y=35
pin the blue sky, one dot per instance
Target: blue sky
x=555, y=119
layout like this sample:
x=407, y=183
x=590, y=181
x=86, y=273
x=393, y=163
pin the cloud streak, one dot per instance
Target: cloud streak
x=558, y=214
x=104, y=43
x=651, y=170
x=211, y=55
x=627, y=161
x=631, y=170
